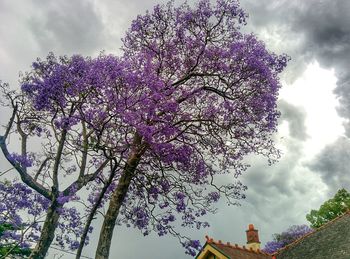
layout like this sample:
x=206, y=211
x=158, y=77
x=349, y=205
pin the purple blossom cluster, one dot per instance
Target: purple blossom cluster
x=192, y=246
x=23, y=161
x=18, y=200
x=290, y=235
x=69, y=195
x=70, y=228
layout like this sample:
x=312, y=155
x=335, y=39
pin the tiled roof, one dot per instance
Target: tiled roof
x=236, y=251
x=332, y=240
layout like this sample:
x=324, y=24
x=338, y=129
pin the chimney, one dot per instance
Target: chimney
x=252, y=238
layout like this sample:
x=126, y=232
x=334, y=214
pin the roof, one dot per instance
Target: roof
x=235, y=251
x=332, y=240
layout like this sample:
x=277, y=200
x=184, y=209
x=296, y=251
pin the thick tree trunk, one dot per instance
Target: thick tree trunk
x=47, y=233
x=116, y=200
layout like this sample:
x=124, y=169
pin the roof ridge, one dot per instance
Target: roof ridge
x=235, y=246
x=312, y=232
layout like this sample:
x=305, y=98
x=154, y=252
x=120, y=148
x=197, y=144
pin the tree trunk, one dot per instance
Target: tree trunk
x=116, y=200
x=47, y=233
x=92, y=214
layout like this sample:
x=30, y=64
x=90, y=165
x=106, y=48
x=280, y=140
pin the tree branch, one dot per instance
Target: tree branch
x=26, y=178
x=82, y=181
x=41, y=168
x=58, y=158
x=8, y=129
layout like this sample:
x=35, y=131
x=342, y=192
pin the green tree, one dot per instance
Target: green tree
x=331, y=209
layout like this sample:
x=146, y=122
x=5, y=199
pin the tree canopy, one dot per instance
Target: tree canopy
x=209, y=99
x=150, y=132
x=330, y=209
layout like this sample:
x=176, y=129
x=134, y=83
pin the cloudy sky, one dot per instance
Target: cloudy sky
x=315, y=103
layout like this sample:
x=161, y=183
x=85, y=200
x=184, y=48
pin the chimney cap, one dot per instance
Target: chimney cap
x=252, y=235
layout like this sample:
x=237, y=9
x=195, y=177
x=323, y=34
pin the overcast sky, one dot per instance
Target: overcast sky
x=315, y=103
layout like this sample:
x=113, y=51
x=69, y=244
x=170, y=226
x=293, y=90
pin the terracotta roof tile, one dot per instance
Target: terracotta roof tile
x=236, y=251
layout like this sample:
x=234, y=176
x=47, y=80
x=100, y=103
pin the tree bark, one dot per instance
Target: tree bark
x=92, y=214
x=116, y=200
x=47, y=233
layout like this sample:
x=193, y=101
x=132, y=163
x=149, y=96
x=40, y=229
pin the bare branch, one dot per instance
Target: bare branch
x=8, y=128
x=43, y=164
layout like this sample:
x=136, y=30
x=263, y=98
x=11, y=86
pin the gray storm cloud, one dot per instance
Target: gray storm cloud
x=313, y=30
x=333, y=164
x=266, y=183
x=310, y=30
x=67, y=26
x=295, y=117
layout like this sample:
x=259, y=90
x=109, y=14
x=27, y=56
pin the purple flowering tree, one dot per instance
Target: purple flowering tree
x=22, y=212
x=290, y=235
x=154, y=131
x=197, y=98
x=53, y=121
x=16, y=234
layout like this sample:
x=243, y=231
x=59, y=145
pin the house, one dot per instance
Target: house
x=332, y=240
x=219, y=250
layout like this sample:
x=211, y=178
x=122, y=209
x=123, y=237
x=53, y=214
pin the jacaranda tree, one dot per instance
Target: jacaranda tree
x=201, y=96
x=190, y=97
x=51, y=112
x=290, y=235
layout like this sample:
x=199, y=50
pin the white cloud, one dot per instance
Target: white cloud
x=313, y=92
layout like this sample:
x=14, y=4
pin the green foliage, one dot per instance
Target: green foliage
x=4, y=227
x=9, y=248
x=4, y=249
x=331, y=209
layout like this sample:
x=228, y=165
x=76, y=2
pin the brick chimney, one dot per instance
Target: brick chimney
x=252, y=238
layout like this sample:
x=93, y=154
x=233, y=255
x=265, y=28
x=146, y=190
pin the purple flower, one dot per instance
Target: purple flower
x=214, y=196
x=192, y=247
x=290, y=235
x=23, y=161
